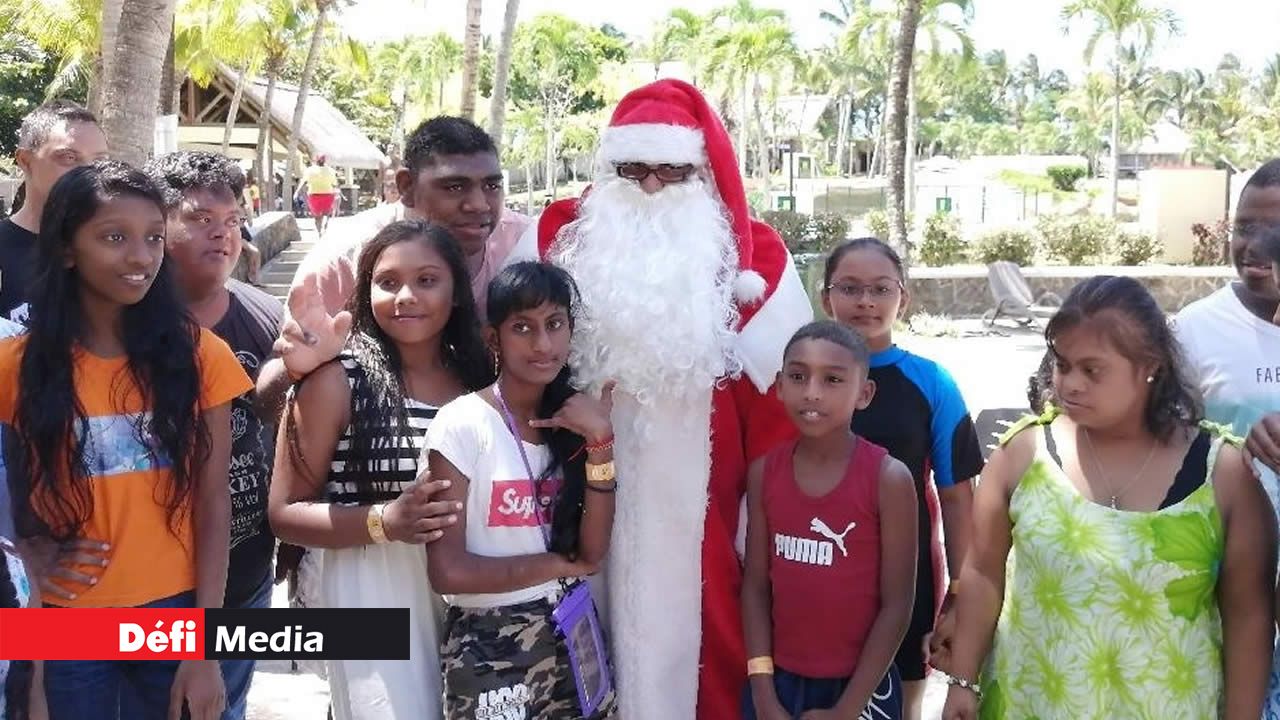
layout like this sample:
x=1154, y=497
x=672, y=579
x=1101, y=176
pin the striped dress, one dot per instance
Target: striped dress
x=389, y=575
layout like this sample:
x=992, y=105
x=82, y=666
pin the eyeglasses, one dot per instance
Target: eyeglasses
x=876, y=291
x=638, y=171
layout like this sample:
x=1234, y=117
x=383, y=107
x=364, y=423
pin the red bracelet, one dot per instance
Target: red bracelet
x=606, y=445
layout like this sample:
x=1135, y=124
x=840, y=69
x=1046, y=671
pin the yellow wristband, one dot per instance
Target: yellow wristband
x=373, y=522
x=762, y=665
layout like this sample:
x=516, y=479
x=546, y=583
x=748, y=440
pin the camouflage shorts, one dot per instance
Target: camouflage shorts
x=508, y=663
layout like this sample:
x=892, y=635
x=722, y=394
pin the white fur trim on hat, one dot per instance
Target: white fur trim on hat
x=749, y=286
x=653, y=143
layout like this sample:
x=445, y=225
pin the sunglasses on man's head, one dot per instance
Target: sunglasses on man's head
x=666, y=173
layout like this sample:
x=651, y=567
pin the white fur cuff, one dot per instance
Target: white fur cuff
x=653, y=143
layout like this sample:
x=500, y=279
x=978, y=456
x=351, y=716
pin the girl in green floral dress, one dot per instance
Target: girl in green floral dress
x=1108, y=534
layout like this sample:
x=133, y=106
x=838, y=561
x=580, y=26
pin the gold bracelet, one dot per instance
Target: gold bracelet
x=373, y=521
x=762, y=665
x=601, y=474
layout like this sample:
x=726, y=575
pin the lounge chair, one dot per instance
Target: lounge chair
x=1013, y=297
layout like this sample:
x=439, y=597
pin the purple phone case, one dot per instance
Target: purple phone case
x=575, y=608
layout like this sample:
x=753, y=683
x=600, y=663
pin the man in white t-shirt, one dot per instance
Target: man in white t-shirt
x=1230, y=338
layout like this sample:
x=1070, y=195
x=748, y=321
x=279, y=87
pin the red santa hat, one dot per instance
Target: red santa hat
x=669, y=121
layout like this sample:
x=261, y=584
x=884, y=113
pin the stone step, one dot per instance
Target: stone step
x=272, y=276
x=280, y=290
x=289, y=266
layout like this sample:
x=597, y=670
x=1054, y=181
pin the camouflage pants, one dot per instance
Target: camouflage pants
x=508, y=663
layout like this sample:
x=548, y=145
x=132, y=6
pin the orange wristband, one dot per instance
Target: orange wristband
x=762, y=665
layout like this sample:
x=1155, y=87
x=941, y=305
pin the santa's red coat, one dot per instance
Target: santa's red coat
x=747, y=420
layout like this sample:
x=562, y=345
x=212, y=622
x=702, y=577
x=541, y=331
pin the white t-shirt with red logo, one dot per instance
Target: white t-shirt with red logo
x=501, y=517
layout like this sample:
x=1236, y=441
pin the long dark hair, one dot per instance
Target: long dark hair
x=378, y=416
x=524, y=286
x=1142, y=336
x=160, y=339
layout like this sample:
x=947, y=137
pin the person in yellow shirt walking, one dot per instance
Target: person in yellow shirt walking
x=321, y=184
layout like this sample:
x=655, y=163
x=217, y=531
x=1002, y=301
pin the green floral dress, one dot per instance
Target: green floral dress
x=1107, y=613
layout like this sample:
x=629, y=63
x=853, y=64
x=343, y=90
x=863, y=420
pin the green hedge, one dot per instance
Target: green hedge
x=802, y=233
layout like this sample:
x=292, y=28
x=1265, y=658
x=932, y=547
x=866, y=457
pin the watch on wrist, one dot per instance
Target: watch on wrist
x=602, y=473
x=373, y=521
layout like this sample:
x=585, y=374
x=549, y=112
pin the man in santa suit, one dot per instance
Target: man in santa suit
x=687, y=303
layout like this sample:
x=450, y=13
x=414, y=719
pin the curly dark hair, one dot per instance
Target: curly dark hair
x=445, y=135
x=378, y=414
x=524, y=286
x=1137, y=327
x=178, y=172
x=833, y=332
x=47, y=447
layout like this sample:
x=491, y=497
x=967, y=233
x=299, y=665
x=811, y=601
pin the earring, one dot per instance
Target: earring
x=1151, y=379
x=497, y=363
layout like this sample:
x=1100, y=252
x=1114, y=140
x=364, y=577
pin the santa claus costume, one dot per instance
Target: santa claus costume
x=687, y=303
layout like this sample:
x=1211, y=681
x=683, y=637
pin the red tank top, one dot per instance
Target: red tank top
x=824, y=564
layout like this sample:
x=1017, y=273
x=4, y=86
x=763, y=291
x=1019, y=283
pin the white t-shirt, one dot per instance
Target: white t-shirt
x=500, y=512
x=1234, y=357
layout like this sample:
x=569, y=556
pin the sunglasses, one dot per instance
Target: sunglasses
x=638, y=171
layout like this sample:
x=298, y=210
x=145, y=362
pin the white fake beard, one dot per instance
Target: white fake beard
x=655, y=273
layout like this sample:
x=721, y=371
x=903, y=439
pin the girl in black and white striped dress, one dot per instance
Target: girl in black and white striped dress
x=346, y=476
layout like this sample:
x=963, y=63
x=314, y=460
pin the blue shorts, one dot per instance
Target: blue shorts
x=799, y=694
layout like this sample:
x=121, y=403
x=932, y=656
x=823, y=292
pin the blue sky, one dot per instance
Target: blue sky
x=1249, y=28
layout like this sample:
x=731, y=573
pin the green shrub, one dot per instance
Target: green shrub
x=942, y=243
x=826, y=230
x=1013, y=244
x=1137, y=248
x=1212, y=243
x=1065, y=177
x=791, y=225
x=878, y=224
x=1075, y=240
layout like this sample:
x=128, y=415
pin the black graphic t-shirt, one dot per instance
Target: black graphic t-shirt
x=250, y=326
x=17, y=262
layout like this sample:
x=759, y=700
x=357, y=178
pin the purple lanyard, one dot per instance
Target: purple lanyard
x=510, y=421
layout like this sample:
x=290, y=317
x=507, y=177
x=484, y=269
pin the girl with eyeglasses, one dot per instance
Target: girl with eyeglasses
x=918, y=415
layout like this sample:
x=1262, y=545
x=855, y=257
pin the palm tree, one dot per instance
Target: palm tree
x=1271, y=79
x=213, y=33
x=896, y=120
x=322, y=9
x=498, y=101
x=70, y=31
x=132, y=89
x=283, y=25
x=751, y=43
x=471, y=59
x=1118, y=21
x=687, y=34
x=108, y=35
x=1183, y=97
x=1086, y=107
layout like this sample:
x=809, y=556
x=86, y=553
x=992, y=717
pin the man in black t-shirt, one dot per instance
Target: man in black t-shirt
x=203, y=244
x=53, y=139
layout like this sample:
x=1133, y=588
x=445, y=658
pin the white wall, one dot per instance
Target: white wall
x=1173, y=199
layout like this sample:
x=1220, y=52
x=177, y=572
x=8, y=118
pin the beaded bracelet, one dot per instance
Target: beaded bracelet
x=969, y=685
x=606, y=445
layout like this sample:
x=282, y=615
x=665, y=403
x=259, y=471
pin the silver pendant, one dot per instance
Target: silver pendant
x=1113, y=503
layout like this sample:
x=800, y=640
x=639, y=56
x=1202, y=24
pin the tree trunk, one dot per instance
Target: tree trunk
x=528, y=189
x=498, y=103
x=842, y=132
x=234, y=110
x=896, y=121
x=304, y=87
x=764, y=156
x=169, y=81
x=549, y=124
x=266, y=172
x=1115, y=134
x=132, y=90
x=470, y=59
x=909, y=178
x=111, y=10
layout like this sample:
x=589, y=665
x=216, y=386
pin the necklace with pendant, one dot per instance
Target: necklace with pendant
x=1115, y=494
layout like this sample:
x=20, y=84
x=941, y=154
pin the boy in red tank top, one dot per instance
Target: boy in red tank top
x=831, y=541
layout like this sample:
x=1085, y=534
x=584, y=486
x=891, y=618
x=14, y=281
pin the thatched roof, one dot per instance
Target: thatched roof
x=325, y=130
